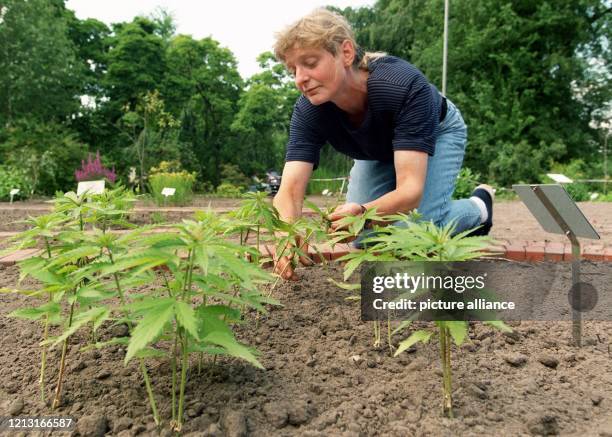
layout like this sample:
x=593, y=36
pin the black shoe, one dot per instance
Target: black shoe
x=483, y=228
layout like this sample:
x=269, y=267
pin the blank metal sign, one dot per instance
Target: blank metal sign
x=562, y=203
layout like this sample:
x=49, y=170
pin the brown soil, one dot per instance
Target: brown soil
x=324, y=377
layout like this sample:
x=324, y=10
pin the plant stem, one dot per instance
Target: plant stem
x=143, y=367
x=391, y=347
x=258, y=252
x=447, y=402
x=145, y=374
x=376, y=333
x=60, y=380
x=183, y=381
x=43, y=358
x=173, y=364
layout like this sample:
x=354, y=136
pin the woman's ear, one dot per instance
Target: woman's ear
x=347, y=51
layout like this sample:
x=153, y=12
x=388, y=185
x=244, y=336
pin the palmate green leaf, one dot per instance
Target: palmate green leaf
x=73, y=255
x=185, y=316
x=93, y=292
x=232, y=347
x=458, y=330
x=415, y=337
x=51, y=309
x=141, y=262
x=96, y=315
x=356, y=261
x=216, y=331
x=159, y=314
x=37, y=267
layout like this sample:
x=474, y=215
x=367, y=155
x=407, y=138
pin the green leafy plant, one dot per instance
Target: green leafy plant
x=466, y=182
x=410, y=239
x=227, y=189
x=181, y=181
x=202, y=284
x=12, y=177
x=256, y=215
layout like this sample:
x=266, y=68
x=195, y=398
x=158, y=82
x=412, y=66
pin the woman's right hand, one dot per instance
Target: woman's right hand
x=283, y=265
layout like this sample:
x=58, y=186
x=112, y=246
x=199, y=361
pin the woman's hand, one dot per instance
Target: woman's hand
x=282, y=262
x=343, y=211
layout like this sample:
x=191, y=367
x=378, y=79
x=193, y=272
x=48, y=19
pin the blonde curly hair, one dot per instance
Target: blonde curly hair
x=322, y=29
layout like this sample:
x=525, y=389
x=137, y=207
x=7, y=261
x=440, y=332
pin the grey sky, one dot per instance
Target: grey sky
x=245, y=27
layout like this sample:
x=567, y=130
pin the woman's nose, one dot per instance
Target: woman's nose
x=300, y=77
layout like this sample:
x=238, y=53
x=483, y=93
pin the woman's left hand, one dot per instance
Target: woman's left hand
x=343, y=211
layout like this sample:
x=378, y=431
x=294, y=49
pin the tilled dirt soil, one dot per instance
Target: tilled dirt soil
x=324, y=377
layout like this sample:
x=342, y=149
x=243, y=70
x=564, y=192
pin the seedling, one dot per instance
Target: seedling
x=410, y=239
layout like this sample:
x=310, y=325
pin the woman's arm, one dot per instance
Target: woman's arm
x=288, y=201
x=290, y=197
x=410, y=174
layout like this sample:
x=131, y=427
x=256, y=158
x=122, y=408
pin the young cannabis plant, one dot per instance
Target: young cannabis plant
x=255, y=214
x=409, y=239
x=208, y=280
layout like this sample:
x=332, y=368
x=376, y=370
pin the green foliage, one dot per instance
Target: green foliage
x=264, y=111
x=181, y=181
x=47, y=152
x=231, y=174
x=466, y=182
x=40, y=77
x=136, y=61
x=229, y=190
x=411, y=239
x=149, y=127
x=11, y=177
x=202, y=87
x=527, y=77
x=202, y=285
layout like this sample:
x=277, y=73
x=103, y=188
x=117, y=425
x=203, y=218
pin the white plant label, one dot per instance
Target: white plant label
x=14, y=191
x=559, y=178
x=167, y=191
x=91, y=187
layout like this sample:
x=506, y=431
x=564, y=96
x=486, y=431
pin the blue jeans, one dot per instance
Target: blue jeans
x=370, y=180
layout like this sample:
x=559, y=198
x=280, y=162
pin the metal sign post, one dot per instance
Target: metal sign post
x=557, y=213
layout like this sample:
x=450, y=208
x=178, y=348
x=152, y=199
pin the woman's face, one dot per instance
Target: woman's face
x=318, y=74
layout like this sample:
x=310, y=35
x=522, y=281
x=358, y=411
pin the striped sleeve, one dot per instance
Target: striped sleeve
x=305, y=141
x=416, y=126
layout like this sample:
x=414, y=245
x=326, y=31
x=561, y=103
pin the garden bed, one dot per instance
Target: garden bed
x=324, y=377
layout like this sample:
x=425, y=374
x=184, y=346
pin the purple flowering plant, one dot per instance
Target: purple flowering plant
x=94, y=170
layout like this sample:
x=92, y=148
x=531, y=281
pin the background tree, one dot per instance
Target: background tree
x=514, y=70
x=39, y=73
x=260, y=126
x=203, y=85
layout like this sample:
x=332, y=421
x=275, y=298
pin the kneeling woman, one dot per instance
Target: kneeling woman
x=407, y=140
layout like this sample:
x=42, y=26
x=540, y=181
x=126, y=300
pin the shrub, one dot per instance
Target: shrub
x=181, y=181
x=231, y=174
x=229, y=190
x=11, y=177
x=48, y=153
x=466, y=182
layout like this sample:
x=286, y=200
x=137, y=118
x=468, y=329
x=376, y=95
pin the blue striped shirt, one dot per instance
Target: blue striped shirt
x=403, y=113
